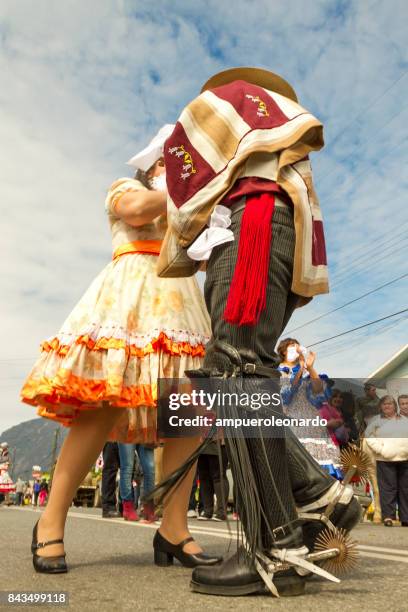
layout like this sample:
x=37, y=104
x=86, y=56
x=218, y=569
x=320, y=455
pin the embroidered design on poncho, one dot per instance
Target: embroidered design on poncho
x=188, y=166
x=262, y=110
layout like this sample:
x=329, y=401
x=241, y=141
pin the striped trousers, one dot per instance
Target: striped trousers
x=280, y=301
x=288, y=474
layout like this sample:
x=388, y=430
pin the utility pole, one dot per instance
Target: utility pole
x=54, y=454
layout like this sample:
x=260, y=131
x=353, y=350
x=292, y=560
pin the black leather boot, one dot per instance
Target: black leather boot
x=238, y=576
x=345, y=515
x=313, y=489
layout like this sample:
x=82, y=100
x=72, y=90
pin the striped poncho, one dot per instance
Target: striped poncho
x=229, y=132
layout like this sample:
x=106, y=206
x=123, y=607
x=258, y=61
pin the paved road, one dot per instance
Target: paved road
x=111, y=569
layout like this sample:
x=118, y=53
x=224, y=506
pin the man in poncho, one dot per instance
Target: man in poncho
x=241, y=198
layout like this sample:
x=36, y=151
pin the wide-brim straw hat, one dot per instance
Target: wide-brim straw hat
x=256, y=76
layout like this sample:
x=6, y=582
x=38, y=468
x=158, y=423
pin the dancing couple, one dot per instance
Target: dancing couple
x=239, y=196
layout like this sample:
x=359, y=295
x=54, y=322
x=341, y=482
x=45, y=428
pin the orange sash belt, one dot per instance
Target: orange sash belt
x=150, y=247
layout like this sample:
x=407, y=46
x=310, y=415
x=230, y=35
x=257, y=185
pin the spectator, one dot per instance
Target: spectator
x=19, y=491
x=43, y=494
x=158, y=474
x=213, y=480
x=110, y=469
x=348, y=411
x=303, y=392
x=36, y=491
x=367, y=406
x=331, y=411
x=127, y=461
x=391, y=454
x=28, y=494
x=403, y=405
x=127, y=465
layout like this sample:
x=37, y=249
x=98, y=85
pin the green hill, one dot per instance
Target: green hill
x=31, y=443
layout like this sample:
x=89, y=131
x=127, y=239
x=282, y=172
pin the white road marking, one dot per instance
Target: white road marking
x=400, y=559
x=373, y=552
x=394, y=551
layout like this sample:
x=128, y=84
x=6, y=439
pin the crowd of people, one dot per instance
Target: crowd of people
x=31, y=493
x=386, y=436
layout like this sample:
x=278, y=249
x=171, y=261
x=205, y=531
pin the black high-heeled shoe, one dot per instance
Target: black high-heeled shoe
x=164, y=553
x=47, y=565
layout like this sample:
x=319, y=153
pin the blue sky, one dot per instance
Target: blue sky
x=86, y=84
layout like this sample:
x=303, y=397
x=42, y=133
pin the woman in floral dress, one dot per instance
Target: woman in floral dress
x=99, y=373
x=303, y=392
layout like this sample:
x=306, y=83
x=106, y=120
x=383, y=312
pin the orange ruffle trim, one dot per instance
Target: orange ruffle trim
x=63, y=398
x=67, y=389
x=161, y=343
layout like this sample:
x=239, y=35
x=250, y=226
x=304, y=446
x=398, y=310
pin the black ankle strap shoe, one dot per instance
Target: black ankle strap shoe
x=47, y=565
x=164, y=553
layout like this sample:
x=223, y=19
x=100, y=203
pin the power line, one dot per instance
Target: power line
x=362, y=266
x=366, y=109
x=365, y=143
x=366, y=170
x=364, y=263
x=341, y=347
x=384, y=263
x=363, y=269
x=379, y=241
x=347, y=303
x=375, y=256
x=349, y=331
x=367, y=260
x=370, y=251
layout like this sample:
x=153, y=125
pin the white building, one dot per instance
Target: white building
x=392, y=375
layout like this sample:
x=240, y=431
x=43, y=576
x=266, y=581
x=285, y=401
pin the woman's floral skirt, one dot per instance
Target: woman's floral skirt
x=128, y=330
x=316, y=439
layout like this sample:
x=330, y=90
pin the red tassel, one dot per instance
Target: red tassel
x=247, y=294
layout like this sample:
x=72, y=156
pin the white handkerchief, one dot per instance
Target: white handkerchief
x=217, y=233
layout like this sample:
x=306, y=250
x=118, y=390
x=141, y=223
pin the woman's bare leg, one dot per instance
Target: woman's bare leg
x=79, y=451
x=174, y=524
